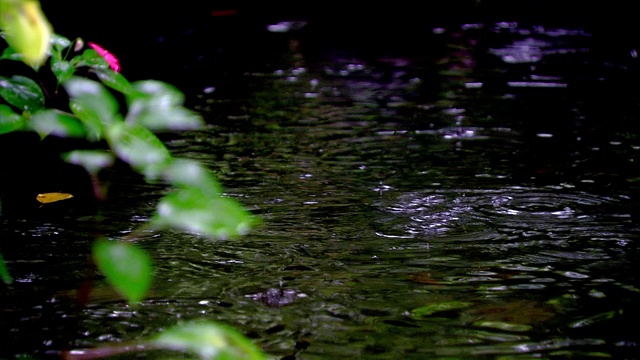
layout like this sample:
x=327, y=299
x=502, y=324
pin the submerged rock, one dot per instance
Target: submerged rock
x=277, y=297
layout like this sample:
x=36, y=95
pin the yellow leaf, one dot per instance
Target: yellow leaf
x=52, y=197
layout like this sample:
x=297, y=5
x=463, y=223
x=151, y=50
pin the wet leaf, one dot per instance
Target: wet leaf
x=92, y=160
x=90, y=58
x=22, y=92
x=93, y=125
x=4, y=272
x=213, y=216
x=59, y=42
x=10, y=54
x=503, y=326
x=186, y=173
x=593, y=320
x=154, y=117
x=47, y=198
x=209, y=340
x=93, y=99
x=425, y=311
x=63, y=70
x=137, y=146
x=57, y=123
x=165, y=95
x=563, y=302
x=114, y=80
x=127, y=268
x=9, y=120
x=158, y=106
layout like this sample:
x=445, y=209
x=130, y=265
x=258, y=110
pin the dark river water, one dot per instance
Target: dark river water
x=475, y=198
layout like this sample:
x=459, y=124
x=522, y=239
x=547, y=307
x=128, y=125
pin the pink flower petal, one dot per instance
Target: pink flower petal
x=111, y=59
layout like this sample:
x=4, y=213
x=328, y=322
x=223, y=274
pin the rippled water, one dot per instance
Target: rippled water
x=497, y=171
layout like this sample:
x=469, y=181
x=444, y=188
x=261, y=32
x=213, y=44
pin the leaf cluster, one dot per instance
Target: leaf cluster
x=197, y=203
x=103, y=107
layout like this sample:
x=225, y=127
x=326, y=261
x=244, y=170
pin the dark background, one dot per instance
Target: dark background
x=188, y=43
x=149, y=35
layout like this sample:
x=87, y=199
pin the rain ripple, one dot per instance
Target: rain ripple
x=559, y=234
x=515, y=212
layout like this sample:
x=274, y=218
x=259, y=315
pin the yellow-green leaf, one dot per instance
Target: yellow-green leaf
x=27, y=30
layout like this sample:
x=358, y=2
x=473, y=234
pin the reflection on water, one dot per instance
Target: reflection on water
x=448, y=205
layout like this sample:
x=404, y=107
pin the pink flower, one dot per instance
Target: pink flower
x=113, y=61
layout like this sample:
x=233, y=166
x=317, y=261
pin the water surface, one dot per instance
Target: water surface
x=477, y=200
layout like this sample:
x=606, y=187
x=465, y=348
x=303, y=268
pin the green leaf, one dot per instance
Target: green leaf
x=57, y=123
x=191, y=174
x=22, y=92
x=59, y=42
x=213, y=216
x=92, y=160
x=500, y=325
x=93, y=98
x=114, y=80
x=425, y=311
x=209, y=341
x=137, y=146
x=4, y=272
x=91, y=59
x=93, y=125
x=63, y=70
x=152, y=114
x=595, y=319
x=9, y=120
x=127, y=268
x=158, y=106
x=165, y=94
x=10, y=54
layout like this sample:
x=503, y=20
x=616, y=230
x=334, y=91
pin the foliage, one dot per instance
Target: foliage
x=428, y=310
x=4, y=272
x=128, y=268
x=206, y=340
x=90, y=78
x=209, y=341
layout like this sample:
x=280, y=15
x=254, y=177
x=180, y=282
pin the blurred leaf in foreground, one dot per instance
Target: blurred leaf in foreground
x=4, y=272
x=127, y=268
x=204, y=339
x=137, y=145
x=56, y=123
x=214, y=216
x=210, y=341
x=92, y=160
x=9, y=120
x=27, y=29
